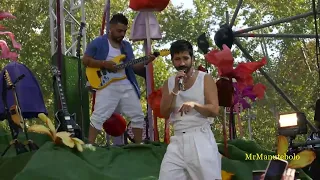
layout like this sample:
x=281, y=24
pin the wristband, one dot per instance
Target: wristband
x=176, y=94
x=102, y=64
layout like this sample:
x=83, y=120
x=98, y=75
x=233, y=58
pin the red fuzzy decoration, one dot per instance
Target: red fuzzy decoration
x=154, y=100
x=201, y=68
x=223, y=61
x=115, y=125
x=259, y=90
x=156, y=5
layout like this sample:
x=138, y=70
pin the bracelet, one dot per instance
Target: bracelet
x=103, y=63
x=176, y=94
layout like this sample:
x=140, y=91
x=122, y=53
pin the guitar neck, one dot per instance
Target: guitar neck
x=139, y=60
x=61, y=95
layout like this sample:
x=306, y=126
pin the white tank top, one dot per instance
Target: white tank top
x=113, y=52
x=196, y=94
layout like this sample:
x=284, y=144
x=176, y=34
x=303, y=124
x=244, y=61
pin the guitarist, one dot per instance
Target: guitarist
x=121, y=96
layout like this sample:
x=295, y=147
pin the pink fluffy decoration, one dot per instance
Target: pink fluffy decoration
x=5, y=52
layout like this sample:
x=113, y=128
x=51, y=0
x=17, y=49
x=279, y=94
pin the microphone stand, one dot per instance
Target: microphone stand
x=80, y=74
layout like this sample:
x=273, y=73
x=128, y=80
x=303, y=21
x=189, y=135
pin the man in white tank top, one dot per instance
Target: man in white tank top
x=190, y=98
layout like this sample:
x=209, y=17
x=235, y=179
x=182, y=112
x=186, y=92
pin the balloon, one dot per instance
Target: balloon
x=115, y=125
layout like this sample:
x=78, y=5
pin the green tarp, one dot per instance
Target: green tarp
x=131, y=162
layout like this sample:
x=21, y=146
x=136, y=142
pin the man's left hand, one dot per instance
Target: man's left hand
x=186, y=107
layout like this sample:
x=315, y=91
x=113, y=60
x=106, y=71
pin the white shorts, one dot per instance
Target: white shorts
x=120, y=99
x=192, y=155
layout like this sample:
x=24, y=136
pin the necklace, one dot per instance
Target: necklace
x=184, y=81
x=193, y=71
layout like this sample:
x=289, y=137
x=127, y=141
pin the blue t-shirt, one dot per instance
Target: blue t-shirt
x=99, y=49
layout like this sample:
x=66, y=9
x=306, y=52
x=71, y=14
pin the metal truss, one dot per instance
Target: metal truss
x=245, y=33
x=68, y=9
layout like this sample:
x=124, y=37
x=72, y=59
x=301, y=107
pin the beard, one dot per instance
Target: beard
x=115, y=38
x=186, y=69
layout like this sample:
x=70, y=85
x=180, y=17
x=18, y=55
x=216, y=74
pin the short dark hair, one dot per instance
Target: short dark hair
x=181, y=46
x=119, y=18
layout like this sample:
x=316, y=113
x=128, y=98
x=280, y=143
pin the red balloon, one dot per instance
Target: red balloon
x=115, y=125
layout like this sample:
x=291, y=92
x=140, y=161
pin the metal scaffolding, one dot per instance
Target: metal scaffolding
x=234, y=37
x=69, y=10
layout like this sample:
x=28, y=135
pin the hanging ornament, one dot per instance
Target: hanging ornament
x=154, y=5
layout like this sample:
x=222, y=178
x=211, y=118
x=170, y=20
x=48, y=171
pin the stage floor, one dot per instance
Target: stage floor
x=130, y=162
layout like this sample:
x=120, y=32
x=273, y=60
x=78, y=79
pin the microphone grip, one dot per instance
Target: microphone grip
x=180, y=84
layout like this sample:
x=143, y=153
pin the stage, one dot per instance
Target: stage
x=130, y=162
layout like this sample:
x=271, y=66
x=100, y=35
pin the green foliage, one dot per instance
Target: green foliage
x=291, y=62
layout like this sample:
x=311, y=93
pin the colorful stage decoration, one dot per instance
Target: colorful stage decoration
x=59, y=138
x=139, y=5
x=242, y=74
x=115, y=126
x=305, y=157
x=5, y=50
x=223, y=61
x=146, y=28
x=242, y=99
x=251, y=92
x=154, y=99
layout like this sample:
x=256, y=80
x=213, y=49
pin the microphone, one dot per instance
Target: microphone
x=181, y=82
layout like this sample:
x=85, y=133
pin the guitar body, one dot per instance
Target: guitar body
x=16, y=115
x=67, y=123
x=100, y=79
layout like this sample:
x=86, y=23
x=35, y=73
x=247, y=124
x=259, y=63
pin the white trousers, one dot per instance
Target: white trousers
x=117, y=98
x=192, y=155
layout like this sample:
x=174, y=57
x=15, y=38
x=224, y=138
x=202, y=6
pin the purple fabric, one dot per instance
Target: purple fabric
x=28, y=91
x=242, y=96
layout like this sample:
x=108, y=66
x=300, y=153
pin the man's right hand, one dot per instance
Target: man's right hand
x=180, y=74
x=109, y=65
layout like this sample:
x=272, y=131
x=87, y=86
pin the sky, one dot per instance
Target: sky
x=188, y=4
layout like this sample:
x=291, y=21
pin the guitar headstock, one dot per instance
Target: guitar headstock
x=55, y=71
x=7, y=77
x=164, y=52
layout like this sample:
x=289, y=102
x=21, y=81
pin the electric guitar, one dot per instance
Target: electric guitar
x=66, y=121
x=15, y=111
x=101, y=78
